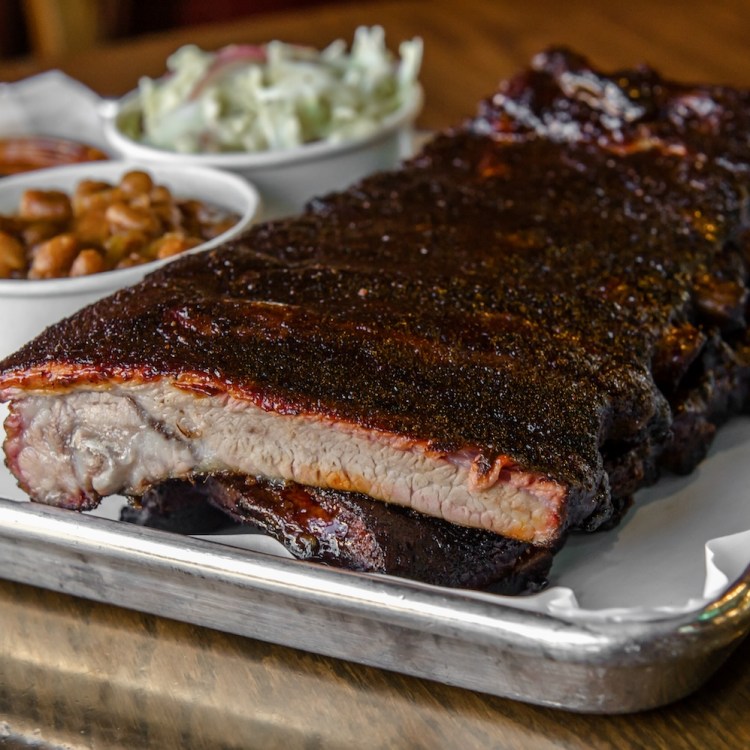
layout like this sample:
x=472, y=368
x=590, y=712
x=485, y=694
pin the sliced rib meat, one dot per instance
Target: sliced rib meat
x=75, y=447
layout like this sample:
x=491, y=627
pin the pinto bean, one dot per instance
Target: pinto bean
x=172, y=243
x=117, y=246
x=136, y=183
x=92, y=227
x=88, y=261
x=121, y=216
x=12, y=255
x=94, y=199
x=36, y=232
x=54, y=257
x=160, y=194
x=48, y=205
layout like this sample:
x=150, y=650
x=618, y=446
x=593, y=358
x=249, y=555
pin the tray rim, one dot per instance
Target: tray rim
x=594, y=666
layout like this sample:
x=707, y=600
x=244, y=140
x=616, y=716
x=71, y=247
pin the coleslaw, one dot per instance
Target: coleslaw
x=255, y=98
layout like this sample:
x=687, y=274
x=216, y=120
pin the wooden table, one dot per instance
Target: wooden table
x=79, y=674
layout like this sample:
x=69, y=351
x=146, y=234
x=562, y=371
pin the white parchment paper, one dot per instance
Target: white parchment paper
x=51, y=104
x=686, y=540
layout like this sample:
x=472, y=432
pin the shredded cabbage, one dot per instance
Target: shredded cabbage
x=276, y=96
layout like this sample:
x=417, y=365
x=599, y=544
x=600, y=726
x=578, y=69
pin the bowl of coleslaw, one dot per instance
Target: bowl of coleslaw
x=295, y=121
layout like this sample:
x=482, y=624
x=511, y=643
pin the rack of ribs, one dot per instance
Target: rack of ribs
x=511, y=334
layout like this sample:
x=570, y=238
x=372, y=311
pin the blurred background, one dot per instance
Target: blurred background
x=47, y=28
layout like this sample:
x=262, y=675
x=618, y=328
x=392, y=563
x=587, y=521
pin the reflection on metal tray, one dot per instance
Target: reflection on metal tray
x=449, y=636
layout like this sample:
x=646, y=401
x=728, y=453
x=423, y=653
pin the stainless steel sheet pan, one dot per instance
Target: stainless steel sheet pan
x=483, y=644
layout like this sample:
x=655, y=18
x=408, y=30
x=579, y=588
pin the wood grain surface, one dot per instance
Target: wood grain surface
x=75, y=674
x=469, y=45
x=80, y=675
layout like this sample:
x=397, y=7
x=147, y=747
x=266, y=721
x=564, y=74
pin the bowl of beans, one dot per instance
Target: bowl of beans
x=71, y=235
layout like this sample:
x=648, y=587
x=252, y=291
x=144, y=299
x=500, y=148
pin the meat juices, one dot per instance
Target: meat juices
x=513, y=333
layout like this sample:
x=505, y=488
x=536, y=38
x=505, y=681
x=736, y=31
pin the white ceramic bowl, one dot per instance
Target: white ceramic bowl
x=27, y=306
x=288, y=178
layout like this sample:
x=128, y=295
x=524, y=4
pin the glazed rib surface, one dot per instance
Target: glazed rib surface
x=348, y=530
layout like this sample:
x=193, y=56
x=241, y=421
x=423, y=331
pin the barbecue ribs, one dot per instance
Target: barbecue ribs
x=512, y=333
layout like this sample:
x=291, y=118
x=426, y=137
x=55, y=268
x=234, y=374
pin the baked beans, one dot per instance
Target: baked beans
x=102, y=227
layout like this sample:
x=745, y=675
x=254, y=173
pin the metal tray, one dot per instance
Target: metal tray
x=430, y=632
